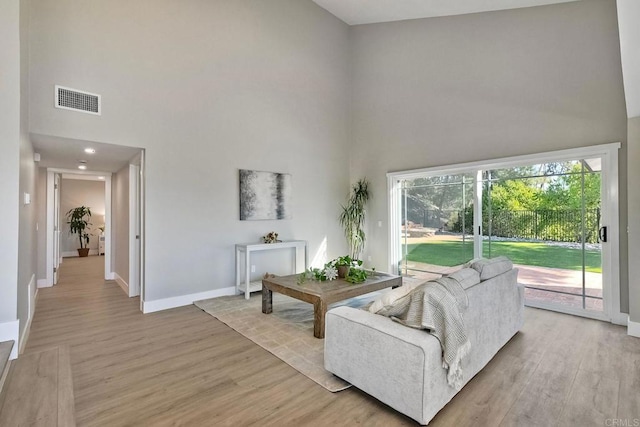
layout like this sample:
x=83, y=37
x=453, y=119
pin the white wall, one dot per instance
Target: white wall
x=9, y=165
x=206, y=88
x=440, y=91
x=74, y=193
x=27, y=244
x=120, y=223
x=634, y=221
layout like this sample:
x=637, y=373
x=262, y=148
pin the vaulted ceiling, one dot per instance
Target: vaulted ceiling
x=356, y=12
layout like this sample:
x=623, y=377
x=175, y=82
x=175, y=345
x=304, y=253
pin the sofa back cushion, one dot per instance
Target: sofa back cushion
x=388, y=298
x=467, y=277
x=490, y=268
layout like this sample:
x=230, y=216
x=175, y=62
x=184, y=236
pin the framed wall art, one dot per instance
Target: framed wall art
x=264, y=195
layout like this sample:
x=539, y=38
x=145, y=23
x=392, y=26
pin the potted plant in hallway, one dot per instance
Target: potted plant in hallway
x=78, y=220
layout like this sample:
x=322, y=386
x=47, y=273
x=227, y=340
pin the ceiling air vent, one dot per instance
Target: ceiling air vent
x=76, y=100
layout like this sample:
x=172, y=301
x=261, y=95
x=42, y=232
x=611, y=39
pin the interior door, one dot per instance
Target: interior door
x=56, y=227
x=134, y=230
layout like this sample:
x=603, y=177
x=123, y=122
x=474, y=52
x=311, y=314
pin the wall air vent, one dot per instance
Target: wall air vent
x=76, y=100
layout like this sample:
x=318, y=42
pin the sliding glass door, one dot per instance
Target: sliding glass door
x=546, y=218
x=437, y=223
x=550, y=215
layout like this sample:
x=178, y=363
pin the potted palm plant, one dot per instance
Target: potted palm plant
x=78, y=220
x=353, y=216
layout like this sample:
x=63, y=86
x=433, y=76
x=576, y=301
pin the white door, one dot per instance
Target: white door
x=134, y=230
x=56, y=227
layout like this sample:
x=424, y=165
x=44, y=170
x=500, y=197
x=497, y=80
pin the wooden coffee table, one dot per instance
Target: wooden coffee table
x=321, y=294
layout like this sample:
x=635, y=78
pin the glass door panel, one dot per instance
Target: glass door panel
x=545, y=218
x=437, y=224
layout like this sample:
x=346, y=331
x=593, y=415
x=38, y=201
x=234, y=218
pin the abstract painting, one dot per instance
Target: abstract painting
x=264, y=195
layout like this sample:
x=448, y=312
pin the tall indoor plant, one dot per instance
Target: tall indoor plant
x=352, y=217
x=78, y=220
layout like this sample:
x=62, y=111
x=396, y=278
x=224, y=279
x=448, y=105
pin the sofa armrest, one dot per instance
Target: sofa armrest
x=395, y=364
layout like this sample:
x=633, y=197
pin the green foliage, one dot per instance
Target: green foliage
x=451, y=253
x=78, y=220
x=352, y=218
x=356, y=274
x=565, y=192
x=342, y=261
x=316, y=274
x=431, y=201
x=514, y=195
x=544, y=201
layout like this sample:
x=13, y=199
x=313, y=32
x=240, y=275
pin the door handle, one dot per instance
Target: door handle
x=602, y=234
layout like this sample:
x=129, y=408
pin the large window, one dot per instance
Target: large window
x=548, y=213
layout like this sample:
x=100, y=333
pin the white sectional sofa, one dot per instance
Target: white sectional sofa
x=402, y=366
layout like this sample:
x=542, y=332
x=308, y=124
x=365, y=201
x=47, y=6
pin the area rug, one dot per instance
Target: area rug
x=287, y=332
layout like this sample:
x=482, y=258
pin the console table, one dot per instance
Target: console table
x=243, y=252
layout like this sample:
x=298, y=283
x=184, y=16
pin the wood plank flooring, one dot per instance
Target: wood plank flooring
x=39, y=390
x=184, y=367
x=5, y=353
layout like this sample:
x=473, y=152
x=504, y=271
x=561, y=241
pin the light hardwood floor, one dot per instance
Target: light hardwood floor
x=184, y=367
x=41, y=390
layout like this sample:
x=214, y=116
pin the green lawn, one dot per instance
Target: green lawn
x=450, y=253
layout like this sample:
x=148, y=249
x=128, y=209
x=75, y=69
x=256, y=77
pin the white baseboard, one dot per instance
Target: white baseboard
x=35, y=301
x=621, y=319
x=121, y=282
x=182, y=300
x=10, y=331
x=110, y=276
x=44, y=283
x=633, y=329
x=24, y=334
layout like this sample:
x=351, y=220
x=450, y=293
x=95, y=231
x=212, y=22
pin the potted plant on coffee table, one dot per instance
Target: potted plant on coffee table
x=343, y=264
x=78, y=220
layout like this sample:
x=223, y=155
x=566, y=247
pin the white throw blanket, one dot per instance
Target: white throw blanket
x=437, y=306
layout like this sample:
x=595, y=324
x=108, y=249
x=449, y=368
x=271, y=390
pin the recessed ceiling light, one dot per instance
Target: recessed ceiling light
x=83, y=167
x=90, y=150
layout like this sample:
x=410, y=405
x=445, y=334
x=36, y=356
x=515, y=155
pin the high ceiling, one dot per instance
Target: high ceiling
x=64, y=153
x=355, y=12
x=628, y=23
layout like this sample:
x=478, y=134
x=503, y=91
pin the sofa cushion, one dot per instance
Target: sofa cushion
x=388, y=298
x=489, y=268
x=469, y=263
x=467, y=277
